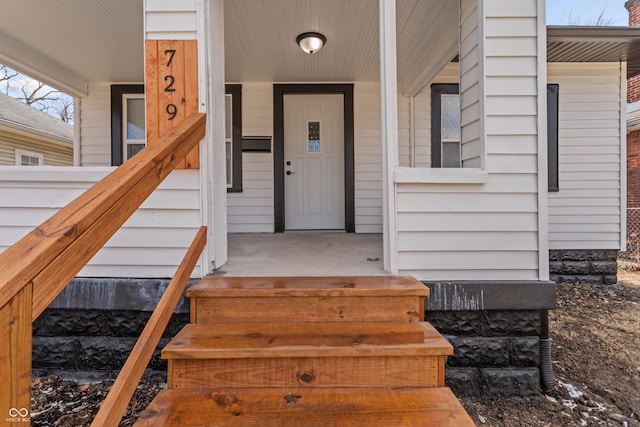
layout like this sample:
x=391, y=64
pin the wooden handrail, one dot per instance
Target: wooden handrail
x=39, y=266
x=115, y=404
x=53, y=253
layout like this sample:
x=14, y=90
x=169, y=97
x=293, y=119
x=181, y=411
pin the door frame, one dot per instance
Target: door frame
x=279, y=91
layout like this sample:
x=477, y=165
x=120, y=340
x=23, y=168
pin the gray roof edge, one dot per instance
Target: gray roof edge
x=568, y=32
x=23, y=117
x=54, y=137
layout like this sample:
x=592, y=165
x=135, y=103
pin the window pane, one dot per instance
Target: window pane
x=450, y=154
x=135, y=118
x=26, y=160
x=133, y=149
x=450, y=117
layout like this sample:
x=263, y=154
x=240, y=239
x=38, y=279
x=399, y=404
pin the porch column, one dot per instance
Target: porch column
x=389, y=120
x=214, y=178
x=198, y=24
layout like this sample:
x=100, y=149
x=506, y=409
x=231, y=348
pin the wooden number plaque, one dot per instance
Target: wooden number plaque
x=171, y=88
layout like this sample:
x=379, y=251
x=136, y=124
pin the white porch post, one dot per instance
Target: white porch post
x=213, y=175
x=389, y=109
x=543, y=184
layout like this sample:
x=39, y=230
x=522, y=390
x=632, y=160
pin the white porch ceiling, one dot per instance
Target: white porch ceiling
x=260, y=39
x=70, y=43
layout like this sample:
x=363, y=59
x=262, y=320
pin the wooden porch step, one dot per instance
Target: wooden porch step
x=317, y=299
x=306, y=407
x=197, y=339
x=307, y=354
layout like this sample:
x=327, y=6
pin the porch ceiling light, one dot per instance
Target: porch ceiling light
x=311, y=42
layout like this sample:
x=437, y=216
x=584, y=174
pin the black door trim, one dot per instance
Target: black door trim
x=279, y=90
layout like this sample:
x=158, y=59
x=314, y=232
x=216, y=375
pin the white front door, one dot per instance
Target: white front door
x=314, y=162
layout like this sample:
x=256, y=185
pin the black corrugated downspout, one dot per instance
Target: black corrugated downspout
x=547, y=379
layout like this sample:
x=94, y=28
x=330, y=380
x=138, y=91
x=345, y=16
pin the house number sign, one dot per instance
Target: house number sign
x=171, y=109
x=171, y=88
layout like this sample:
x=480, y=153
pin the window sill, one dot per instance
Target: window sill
x=406, y=175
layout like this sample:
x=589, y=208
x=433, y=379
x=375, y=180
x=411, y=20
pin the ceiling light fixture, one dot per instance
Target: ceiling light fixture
x=311, y=42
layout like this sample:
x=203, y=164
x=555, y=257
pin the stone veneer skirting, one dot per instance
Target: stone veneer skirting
x=496, y=352
x=584, y=266
x=494, y=327
x=87, y=333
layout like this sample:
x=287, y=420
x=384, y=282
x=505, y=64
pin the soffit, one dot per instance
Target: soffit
x=260, y=38
x=595, y=44
x=91, y=41
x=73, y=42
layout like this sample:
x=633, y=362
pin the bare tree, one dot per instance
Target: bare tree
x=37, y=94
x=6, y=74
x=601, y=21
x=65, y=109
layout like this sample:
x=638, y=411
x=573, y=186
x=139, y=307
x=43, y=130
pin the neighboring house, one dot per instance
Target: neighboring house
x=29, y=137
x=633, y=148
x=486, y=177
x=633, y=179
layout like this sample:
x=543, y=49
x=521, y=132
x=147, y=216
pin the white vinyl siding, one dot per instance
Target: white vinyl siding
x=95, y=126
x=257, y=109
x=420, y=156
x=151, y=243
x=251, y=211
x=170, y=19
x=484, y=231
x=53, y=154
x=470, y=85
x=586, y=212
x=368, y=158
x=422, y=128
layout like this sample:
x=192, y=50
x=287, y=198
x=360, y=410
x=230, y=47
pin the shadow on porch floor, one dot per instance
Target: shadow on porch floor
x=304, y=254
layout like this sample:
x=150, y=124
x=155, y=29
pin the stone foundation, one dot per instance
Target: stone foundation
x=496, y=352
x=494, y=327
x=87, y=333
x=584, y=266
x=95, y=342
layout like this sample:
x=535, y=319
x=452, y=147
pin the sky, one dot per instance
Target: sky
x=586, y=12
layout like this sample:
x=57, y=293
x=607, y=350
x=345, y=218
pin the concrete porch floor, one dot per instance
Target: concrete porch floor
x=303, y=254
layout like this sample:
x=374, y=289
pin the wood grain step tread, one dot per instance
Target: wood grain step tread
x=311, y=407
x=321, y=333
x=211, y=287
x=361, y=339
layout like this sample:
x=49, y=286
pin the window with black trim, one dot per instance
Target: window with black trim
x=233, y=137
x=445, y=129
x=128, y=128
x=127, y=122
x=445, y=126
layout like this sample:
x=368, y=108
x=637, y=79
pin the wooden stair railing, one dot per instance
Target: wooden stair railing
x=115, y=404
x=39, y=266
